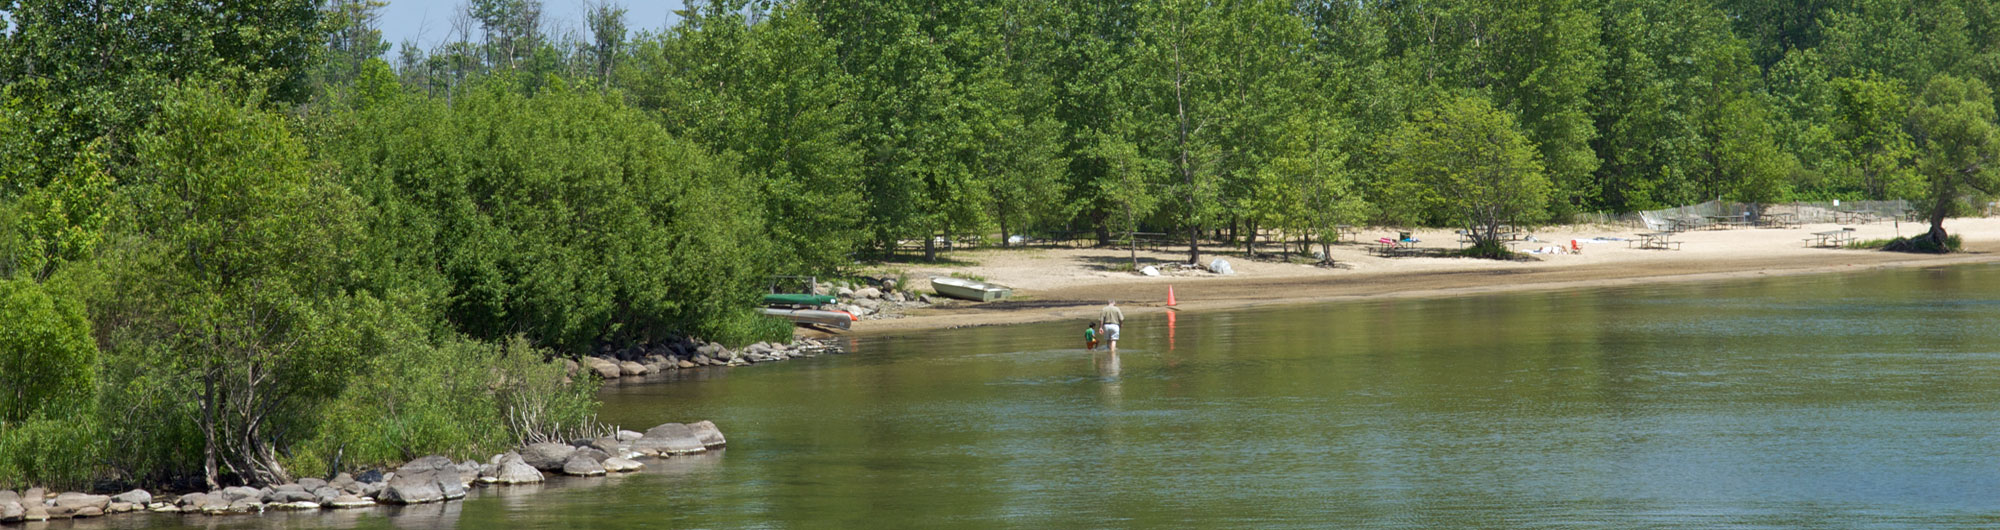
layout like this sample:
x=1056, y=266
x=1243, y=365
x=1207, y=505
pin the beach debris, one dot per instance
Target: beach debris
x=1221, y=266
x=1149, y=270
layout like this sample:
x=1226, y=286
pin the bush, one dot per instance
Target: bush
x=47, y=359
x=1923, y=245
x=54, y=452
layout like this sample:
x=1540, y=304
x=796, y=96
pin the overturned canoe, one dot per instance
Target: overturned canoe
x=970, y=290
x=805, y=300
x=831, y=319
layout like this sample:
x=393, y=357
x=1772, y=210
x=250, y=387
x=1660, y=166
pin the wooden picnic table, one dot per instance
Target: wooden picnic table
x=1655, y=241
x=1831, y=238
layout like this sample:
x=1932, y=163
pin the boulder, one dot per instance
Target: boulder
x=620, y=465
x=289, y=493
x=345, y=482
x=468, y=471
x=326, y=494
x=295, y=505
x=582, y=466
x=161, y=507
x=684, y=364
x=191, y=500
x=121, y=507
x=592, y=453
x=516, y=472
x=312, y=483
x=244, y=506
x=413, y=487
x=627, y=436
x=867, y=293
x=61, y=512
x=710, y=436
x=669, y=439
x=11, y=510
x=547, y=456
x=432, y=462
x=843, y=292
x=34, y=512
x=135, y=497
x=632, y=368
x=89, y=511
x=898, y=297
x=214, y=502
x=349, y=501
x=237, y=493
x=603, y=368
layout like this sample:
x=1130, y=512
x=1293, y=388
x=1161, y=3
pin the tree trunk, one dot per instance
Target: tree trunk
x=208, y=467
x=930, y=248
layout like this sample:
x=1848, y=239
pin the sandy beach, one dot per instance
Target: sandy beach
x=1058, y=283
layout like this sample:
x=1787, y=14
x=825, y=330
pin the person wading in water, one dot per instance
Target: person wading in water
x=1111, y=318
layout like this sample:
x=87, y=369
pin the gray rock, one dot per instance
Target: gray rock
x=11, y=510
x=632, y=368
x=843, y=292
x=161, y=507
x=547, y=456
x=898, y=297
x=312, y=483
x=349, y=501
x=433, y=462
x=326, y=494
x=620, y=465
x=244, y=506
x=627, y=436
x=669, y=439
x=684, y=364
x=61, y=512
x=582, y=466
x=603, y=368
x=468, y=471
x=516, y=472
x=345, y=482
x=867, y=293
x=134, y=497
x=34, y=512
x=413, y=487
x=89, y=511
x=286, y=493
x=191, y=500
x=237, y=493
x=295, y=505
x=121, y=507
x=710, y=436
x=592, y=453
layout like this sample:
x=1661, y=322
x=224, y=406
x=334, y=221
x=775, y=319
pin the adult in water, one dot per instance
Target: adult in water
x=1111, y=317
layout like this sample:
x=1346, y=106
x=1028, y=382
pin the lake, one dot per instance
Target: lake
x=1853, y=401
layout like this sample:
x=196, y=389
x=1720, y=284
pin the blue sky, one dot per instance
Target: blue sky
x=429, y=21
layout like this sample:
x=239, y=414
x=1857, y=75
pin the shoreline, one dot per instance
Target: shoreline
x=1080, y=298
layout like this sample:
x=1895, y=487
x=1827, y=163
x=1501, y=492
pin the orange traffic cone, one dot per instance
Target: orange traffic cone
x=1170, y=299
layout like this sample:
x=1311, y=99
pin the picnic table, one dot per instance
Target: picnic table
x=1347, y=231
x=1655, y=241
x=1778, y=220
x=1686, y=223
x=1831, y=238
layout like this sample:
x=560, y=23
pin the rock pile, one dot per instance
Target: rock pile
x=424, y=480
x=877, y=299
x=683, y=354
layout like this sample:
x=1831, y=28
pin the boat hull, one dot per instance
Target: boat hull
x=970, y=290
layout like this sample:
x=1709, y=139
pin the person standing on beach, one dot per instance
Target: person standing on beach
x=1111, y=318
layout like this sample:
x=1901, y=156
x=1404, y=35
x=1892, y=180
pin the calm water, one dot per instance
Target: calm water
x=1849, y=401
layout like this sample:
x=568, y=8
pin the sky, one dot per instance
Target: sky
x=428, y=22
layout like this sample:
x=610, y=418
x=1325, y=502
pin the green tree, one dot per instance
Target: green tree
x=48, y=362
x=1468, y=163
x=1958, y=146
x=1869, y=125
x=235, y=275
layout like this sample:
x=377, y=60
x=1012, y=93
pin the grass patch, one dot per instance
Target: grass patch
x=1923, y=245
x=1872, y=244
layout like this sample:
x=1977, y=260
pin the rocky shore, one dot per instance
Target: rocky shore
x=425, y=480
x=688, y=354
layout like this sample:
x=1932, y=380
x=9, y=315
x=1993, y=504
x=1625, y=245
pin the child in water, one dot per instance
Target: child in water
x=1090, y=337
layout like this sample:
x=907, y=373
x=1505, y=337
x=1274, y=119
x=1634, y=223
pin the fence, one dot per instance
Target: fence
x=1802, y=211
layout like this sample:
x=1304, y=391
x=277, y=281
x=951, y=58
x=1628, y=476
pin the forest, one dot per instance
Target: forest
x=250, y=241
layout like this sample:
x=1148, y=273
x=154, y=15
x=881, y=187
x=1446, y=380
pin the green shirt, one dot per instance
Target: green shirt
x=1112, y=315
x=1089, y=333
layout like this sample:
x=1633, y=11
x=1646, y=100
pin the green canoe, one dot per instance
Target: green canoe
x=810, y=300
